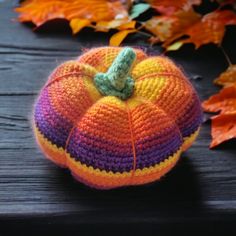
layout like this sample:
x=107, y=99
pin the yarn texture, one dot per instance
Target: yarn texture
x=117, y=117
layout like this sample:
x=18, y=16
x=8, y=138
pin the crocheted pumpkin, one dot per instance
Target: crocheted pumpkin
x=116, y=117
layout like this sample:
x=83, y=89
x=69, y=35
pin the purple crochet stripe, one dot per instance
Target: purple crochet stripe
x=50, y=123
x=99, y=157
x=106, y=160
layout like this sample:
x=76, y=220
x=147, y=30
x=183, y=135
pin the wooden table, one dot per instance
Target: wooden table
x=198, y=196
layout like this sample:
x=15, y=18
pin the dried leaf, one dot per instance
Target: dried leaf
x=95, y=11
x=78, y=24
x=226, y=2
x=224, y=101
x=223, y=128
x=228, y=77
x=223, y=125
x=105, y=26
x=128, y=25
x=210, y=29
x=41, y=11
x=168, y=7
x=175, y=46
x=178, y=19
x=168, y=28
x=199, y=30
x=118, y=37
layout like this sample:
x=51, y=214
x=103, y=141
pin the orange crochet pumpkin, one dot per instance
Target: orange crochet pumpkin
x=116, y=117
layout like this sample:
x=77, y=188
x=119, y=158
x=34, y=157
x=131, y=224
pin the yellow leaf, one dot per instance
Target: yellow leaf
x=175, y=46
x=128, y=25
x=78, y=24
x=118, y=37
x=105, y=26
x=228, y=77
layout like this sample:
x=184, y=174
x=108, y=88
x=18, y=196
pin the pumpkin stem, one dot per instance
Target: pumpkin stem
x=117, y=81
x=120, y=68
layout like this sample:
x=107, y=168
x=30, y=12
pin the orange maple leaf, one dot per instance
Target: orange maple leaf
x=167, y=28
x=223, y=128
x=168, y=7
x=80, y=13
x=198, y=29
x=228, y=77
x=211, y=28
x=224, y=102
x=39, y=12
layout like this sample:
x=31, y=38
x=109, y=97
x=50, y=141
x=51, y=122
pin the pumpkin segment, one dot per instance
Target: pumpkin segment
x=116, y=117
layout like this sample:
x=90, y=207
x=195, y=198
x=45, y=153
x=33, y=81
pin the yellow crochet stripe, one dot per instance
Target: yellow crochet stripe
x=188, y=141
x=138, y=172
x=151, y=65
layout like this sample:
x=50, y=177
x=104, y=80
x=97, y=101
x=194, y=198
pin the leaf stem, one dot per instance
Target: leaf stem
x=226, y=56
x=144, y=33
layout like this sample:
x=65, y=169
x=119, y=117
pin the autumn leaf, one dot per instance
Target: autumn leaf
x=167, y=28
x=123, y=32
x=78, y=24
x=170, y=29
x=118, y=37
x=224, y=101
x=128, y=25
x=105, y=26
x=226, y=2
x=224, y=124
x=228, y=77
x=169, y=7
x=138, y=9
x=209, y=29
x=80, y=13
x=95, y=10
x=223, y=128
x=178, y=23
x=39, y=11
x=202, y=32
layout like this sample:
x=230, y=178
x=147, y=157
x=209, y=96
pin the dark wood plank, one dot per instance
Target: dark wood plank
x=199, y=195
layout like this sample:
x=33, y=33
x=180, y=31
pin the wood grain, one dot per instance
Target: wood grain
x=198, y=196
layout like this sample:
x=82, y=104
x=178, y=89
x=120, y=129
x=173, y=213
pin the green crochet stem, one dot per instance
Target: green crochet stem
x=117, y=80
